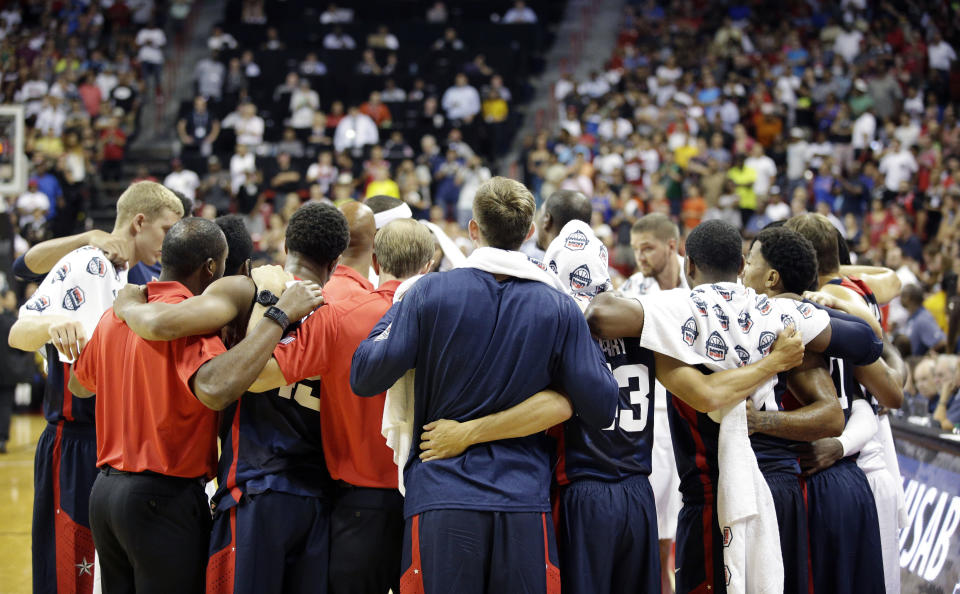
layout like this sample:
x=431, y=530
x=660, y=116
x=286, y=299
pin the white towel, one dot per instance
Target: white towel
x=451, y=253
x=397, y=423
x=579, y=260
x=722, y=326
x=510, y=263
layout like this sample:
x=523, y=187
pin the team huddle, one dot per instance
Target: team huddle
x=510, y=424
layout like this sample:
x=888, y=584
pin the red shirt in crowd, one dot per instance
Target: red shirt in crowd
x=147, y=415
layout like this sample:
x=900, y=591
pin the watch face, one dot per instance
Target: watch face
x=265, y=297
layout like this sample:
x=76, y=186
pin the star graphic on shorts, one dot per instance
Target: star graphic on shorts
x=84, y=567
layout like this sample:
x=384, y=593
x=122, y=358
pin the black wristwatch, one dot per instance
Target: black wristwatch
x=266, y=297
x=276, y=314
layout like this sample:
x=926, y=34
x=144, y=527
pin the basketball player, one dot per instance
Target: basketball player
x=879, y=466
x=351, y=276
x=60, y=316
x=714, y=261
x=654, y=239
x=480, y=522
x=557, y=210
x=156, y=432
x=842, y=515
x=271, y=526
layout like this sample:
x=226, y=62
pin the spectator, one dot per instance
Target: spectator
x=520, y=13
x=247, y=125
x=111, y=150
x=461, y=101
x=338, y=40
x=355, y=131
x=151, y=41
x=469, y=179
x=210, y=73
x=447, y=193
x=323, y=172
x=368, y=65
x=283, y=178
x=290, y=144
x=335, y=14
x=381, y=184
x=921, y=331
x=744, y=178
x=897, y=165
x=32, y=204
x=250, y=67
x=304, y=101
x=765, y=168
x=437, y=13
x=377, y=111
x=312, y=66
x=383, y=39
x=396, y=148
x=273, y=42
x=90, y=94
x=242, y=166
x=197, y=130
x=182, y=180
x=215, y=189
x=392, y=93
x=220, y=40
x=450, y=42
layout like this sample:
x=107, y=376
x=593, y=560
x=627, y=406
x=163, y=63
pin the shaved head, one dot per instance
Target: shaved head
x=362, y=226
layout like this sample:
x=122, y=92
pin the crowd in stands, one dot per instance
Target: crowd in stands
x=81, y=71
x=719, y=112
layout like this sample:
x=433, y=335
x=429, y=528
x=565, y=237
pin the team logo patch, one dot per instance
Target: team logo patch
x=742, y=354
x=603, y=252
x=766, y=343
x=787, y=321
x=580, y=277
x=576, y=241
x=689, y=331
x=73, y=299
x=763, y=304
x=716, y=347
x=745, y=321
x=726, y=575
x=538, y=263
x=727, y=536
x=96, y=266
x=553, y=266
x=805, y=309
x=700, y=303
x=62, y=272
x=38, y=303
x=722, y=317
x=725, y=293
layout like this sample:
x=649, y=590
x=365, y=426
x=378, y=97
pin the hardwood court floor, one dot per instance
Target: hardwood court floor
x=16, y=503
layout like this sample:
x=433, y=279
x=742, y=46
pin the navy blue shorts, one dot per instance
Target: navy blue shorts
x=65, y=467
x=788, y=499
x=844, y=533
x=607, y=537
x=270, y=543
x=699, y=557
x=479, y=552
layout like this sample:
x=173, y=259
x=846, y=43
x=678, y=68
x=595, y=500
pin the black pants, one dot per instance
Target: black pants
x=6, y=407
x=151, y=532
x=366, y=540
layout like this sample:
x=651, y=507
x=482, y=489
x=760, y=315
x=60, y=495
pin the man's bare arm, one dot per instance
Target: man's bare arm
x=884, y=282
x=709, y=392
x=820, y=416
x=446, y=439
x=29, y=333
x=612, y=316
x=202, y=314
x=45, y=255
x=76, y=388
x=883, y=380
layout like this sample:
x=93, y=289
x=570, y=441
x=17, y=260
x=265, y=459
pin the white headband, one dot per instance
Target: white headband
x=398, y=212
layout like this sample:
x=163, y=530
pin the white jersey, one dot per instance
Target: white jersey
x=81, y=286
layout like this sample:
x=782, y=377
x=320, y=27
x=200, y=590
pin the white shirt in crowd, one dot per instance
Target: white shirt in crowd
x=461, y=102
x=184, y=181
x=224, y=40
x=30, y=202
x=106, y=81
x=864, y=130
x=332, y=41
x=240, y=165
x=355, y=131
x=777, y=211
x=249, y=131
x=608, y=163
x=337, y=15
x=151, y=42
x=766, y=172
x=797, y=159
x=940, y=55
x=303, y=103
x=562, y=88
x=594, y=87
x=618, y=128
x=896, y=168
x=31, y=96
x=51, y=119
x=520, y=15
x=847, y=44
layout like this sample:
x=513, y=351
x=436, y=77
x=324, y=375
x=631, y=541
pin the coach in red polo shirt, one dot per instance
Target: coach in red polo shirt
x=351, y=276
x=366, y=527
x=157, y=422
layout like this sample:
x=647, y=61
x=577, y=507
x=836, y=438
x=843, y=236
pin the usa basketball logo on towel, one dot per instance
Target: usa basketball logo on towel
x=38, y=303
x=766, y=343
x=805, y=310
x=763, y=304
x=700, y=303
x=722, y=317
x=787, y=321
x=745, y=322
x=743, y=355
x=580, y=277
x=74, y=299
x=725, y=293
x=62, y=272
x=689, y=331
x=553, y=266
x=576, y=241
x=716, y=347
x=97, y=266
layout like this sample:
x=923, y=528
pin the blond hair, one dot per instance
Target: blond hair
x=503, y=209
x=149, y=199
x=823, y=235
x=403, y=247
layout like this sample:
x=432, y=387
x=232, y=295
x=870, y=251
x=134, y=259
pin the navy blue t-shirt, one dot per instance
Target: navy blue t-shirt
x=624, y=448
x=480, y=346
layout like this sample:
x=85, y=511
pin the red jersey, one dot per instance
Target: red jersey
x=147, y=415
x=345, y=283
x=323, y=346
